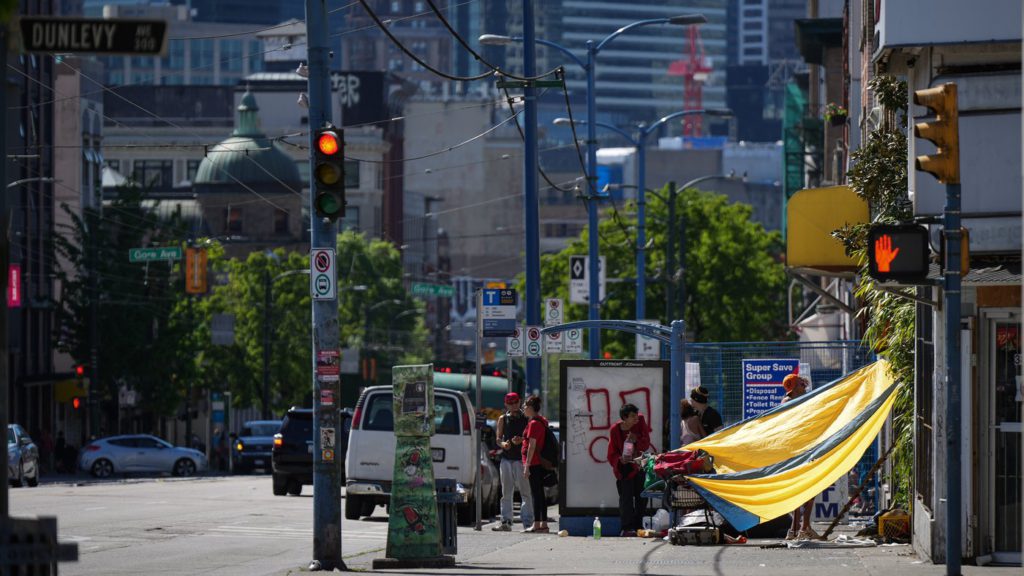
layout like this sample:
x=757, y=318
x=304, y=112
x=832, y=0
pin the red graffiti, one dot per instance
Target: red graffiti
x=602, y=456
x=596, y=416
x=643, y=402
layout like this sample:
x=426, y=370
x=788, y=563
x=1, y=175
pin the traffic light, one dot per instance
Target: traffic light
x=944, y=164
x=898, y=253
x=76, y=402
x=329, y=173
x=79, y=372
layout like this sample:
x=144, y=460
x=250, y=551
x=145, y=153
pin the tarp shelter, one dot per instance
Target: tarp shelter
x=770, y=465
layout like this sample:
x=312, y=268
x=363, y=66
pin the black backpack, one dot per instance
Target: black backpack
x=550, y=455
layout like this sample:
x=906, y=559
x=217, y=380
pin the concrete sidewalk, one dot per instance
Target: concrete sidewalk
x=488, y=553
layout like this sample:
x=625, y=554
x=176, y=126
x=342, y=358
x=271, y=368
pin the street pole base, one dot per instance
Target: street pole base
x=404, y=563
x=315, y=566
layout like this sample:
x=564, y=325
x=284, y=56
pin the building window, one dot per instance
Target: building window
x=191, y=167
x=202, y=54
x=752, y=25
x=255, y=56
x=754, y=38
x=396, y=6
x=232, y=220
x=280, y=221
x=114, y=165
x=175, y=59
x=752, y=51
x=231, y=55
x=752, y=12
x=395, y=64
x=142, y=62
x=352, y=174
x=351, y=219
x=153, y=173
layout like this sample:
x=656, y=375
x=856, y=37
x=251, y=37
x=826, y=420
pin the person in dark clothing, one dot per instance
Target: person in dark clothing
x=628, y=438
x=534, y=436
x=710, y=419
x=510, y=433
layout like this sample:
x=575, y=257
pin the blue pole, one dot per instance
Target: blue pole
x=323, y=234
x=951, y=294
x=641, y=224
x=531, y=211
x=677, y=382
x=594, y=337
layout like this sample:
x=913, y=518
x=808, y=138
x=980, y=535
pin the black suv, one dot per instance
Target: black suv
x=292, y=455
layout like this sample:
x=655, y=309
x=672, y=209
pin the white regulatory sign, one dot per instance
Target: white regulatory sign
x=323, y=281
x=533, y=349
x=574, y=341
x=515, y=343
x=553, y=312
x=579, y=279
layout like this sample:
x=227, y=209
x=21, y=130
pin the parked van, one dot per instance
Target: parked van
x=369, y=465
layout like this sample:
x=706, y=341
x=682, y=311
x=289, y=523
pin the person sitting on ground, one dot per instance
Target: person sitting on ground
x=628, y=438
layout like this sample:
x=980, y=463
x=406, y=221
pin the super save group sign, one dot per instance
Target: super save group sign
x=762, y=383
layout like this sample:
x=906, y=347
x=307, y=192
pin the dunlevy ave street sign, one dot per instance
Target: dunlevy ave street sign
x=93, y=35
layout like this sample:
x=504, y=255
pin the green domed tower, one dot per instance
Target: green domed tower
x=250, y=190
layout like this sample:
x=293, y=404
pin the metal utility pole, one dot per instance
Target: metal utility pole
x=5, y=258
x=531, y=209
x=323, y=234
x=267, y=303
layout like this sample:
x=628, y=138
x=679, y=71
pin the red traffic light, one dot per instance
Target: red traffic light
x=79, y=371
x=76, y=402
x=328, y=143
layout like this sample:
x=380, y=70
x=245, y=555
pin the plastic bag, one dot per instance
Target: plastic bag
x=649, y=476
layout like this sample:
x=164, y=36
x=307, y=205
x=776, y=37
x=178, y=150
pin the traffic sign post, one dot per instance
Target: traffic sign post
x=93, y=36
x=533, y=349
x=579, y=279
x=323, y=282
x=498, y=312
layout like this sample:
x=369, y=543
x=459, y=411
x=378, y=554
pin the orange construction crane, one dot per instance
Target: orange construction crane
x=694, y=69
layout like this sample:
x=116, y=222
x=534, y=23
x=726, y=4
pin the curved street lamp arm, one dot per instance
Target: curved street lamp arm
x=560, y=48
x=629, y=27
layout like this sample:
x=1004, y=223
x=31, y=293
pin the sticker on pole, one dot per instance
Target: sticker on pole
x=515, y=343
x=553, y=343
x=533, y=342
x=574, y=341
x=553, y=312
x=323, y=280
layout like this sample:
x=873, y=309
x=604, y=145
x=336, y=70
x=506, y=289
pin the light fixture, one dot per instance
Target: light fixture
x=302, y=70
x=303, y=100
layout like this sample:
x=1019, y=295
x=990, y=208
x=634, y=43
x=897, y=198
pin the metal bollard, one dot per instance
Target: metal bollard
x=447, y=499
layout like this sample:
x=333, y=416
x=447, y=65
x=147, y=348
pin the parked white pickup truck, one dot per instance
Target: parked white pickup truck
x=369, y=464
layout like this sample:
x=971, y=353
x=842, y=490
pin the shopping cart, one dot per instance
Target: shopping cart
x=692, y=518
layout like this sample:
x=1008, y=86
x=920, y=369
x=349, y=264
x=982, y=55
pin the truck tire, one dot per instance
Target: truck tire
x=353, y=507
x=280, y=484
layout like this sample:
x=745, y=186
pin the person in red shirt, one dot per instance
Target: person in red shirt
x=532, y=469
x=628, y=438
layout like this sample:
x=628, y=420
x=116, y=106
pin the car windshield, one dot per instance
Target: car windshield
x=262, y=429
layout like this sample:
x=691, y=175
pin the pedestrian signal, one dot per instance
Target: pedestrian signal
x=329, y=172
x=898, y=253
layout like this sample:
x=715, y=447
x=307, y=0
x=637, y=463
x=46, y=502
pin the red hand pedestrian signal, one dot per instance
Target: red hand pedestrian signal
x=909, y=242
x=884, y=252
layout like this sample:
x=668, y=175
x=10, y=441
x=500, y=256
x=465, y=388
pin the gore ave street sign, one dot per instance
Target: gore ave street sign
x=93, y=35
x=151, y=254
x=434, y=290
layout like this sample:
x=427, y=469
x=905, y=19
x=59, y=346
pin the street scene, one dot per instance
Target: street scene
x=528, y=287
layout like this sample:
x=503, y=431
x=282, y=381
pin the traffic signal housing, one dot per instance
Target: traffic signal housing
x=329, y=172
x=943, y=131
x=898, y=253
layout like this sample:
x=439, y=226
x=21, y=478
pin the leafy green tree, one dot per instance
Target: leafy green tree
x=878, y=174
x=735, y=284
x=371, y=316
x=134, y=301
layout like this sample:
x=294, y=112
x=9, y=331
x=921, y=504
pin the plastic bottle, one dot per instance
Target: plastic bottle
x=597, y=528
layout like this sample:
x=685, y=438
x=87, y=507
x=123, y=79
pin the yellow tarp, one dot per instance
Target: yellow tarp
x=769, y=465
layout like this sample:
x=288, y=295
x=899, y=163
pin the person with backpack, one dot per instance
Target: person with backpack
x=536, y=437
x=511, y=429
x=628, y=438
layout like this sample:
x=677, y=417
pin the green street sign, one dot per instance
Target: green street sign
x=434, y=290
x=154, y=254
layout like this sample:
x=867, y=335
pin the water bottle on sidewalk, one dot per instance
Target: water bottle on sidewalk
x=597, y=528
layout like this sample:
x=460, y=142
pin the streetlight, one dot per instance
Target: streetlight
x=46, y=179
x=268, y=306
x=589, y=67
x=640, y=143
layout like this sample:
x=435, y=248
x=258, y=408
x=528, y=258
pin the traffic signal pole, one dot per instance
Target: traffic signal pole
x=944, y=164
x=323, y=234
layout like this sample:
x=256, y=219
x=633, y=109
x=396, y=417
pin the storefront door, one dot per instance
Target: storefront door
x=1007, y=394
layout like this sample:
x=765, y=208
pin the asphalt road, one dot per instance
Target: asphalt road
x=223, y=526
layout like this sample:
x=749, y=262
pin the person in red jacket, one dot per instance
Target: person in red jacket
x=533, y=438
x=628, y=438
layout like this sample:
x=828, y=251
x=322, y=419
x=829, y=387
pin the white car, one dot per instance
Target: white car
x=370, y=462
x=139, y=453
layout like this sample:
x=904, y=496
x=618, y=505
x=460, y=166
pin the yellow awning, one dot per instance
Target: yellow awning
x=811, y=217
